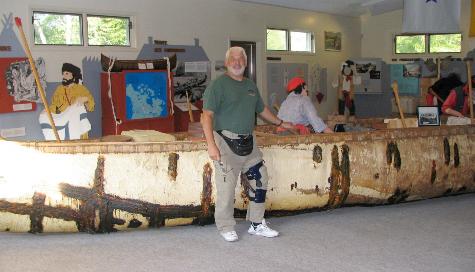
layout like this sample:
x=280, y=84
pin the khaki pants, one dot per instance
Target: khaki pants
x=227, y=173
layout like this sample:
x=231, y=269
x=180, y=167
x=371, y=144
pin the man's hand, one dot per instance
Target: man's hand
x=453, y=112
x=287, y=125
x=213, y=152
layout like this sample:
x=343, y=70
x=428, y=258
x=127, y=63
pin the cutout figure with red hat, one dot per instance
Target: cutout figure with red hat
x=299, y=110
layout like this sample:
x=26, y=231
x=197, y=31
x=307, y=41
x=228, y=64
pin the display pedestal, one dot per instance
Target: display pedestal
x=182, y=118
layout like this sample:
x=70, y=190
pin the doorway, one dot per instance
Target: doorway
x=250, y=49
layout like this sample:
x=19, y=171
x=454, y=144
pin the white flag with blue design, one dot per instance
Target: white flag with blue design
x=431, y=16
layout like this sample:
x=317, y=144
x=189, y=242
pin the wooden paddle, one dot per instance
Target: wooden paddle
x=37, y=77
x=395, y=88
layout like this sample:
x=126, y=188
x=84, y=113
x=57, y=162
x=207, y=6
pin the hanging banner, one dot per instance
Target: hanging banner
x=431, y=16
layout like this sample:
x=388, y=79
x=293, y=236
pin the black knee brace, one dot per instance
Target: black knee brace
x=254, y=174
x=260, y=196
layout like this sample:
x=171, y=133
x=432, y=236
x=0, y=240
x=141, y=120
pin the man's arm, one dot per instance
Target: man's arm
x=449, y=104
x=207, y=123
x=315, y=121
x=267, y=115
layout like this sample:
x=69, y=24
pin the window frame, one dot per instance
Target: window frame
x=455, y=52
x=410, y=35
x=81, y=27
x=288, y=42
x=427, y=37
x=312, y=41
x=84, y=28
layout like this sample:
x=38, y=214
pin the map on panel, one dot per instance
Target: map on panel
x=146, y=95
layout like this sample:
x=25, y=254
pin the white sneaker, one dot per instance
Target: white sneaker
x=263, y=230
x=230, y=236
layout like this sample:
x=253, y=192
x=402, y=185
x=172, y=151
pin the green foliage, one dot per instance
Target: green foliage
x=108, y=31
x=438, y=43
x=445, y=43
x=415, y=44
x=276, y=39
x=53, y=28
x=66, y=29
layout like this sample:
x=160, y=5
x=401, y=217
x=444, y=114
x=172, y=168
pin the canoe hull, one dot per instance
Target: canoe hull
x=103, y=187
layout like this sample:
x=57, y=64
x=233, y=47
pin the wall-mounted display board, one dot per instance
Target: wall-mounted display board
x=8, y=103
x=369, y=74
x=408, y=85
x=140, y=100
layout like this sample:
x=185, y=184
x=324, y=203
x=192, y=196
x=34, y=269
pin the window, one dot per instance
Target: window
x=445, y=43
x=107, y=30
x=293, y=41
x=428, y=43
x=57, y=28
x=301, y=41
x=410, y=44
x=277, y=39
x=52, y=28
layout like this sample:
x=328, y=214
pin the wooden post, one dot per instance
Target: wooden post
x=398, y=103
x=37, y=77
x=469, y=80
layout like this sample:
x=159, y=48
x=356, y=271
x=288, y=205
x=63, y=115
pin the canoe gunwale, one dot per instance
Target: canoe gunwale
x=91, y=147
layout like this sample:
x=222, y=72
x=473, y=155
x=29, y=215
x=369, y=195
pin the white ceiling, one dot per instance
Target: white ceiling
x=340, y=7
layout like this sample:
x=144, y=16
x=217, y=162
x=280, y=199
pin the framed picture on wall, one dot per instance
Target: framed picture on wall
x=428, y=116
x=332, y=41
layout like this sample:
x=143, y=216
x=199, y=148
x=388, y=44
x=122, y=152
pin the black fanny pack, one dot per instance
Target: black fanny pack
x=242, y=146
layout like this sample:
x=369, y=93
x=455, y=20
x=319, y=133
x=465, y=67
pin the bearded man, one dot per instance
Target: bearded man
x=71, y=92
x=231, y=103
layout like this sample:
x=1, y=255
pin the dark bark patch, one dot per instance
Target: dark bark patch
x=37, y=214
x=456, y=155
x=339, y=177
x=393, y=156
x=134, y=223
x=207, y=190
x=173, y=165
x=317, y=154
x=446, y=151
x=433, y=174
x=398, y=196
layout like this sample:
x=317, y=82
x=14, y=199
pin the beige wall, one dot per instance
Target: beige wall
x=214, y=22
x=378, y=32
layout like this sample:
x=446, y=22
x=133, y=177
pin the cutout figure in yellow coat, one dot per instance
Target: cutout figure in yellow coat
x=71, y=92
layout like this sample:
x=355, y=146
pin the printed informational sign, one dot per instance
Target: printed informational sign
x=406, y=84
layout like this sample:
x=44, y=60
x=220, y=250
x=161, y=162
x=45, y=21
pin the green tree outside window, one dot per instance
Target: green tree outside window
x=414, y=44
x=108, y=31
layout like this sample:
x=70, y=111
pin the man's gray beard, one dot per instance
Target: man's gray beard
x=235, y=72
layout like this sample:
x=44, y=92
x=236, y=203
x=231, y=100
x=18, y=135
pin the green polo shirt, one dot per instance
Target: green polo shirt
x=234, y=104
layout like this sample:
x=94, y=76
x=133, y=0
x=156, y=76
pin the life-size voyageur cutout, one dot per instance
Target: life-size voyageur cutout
x=69, y=103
